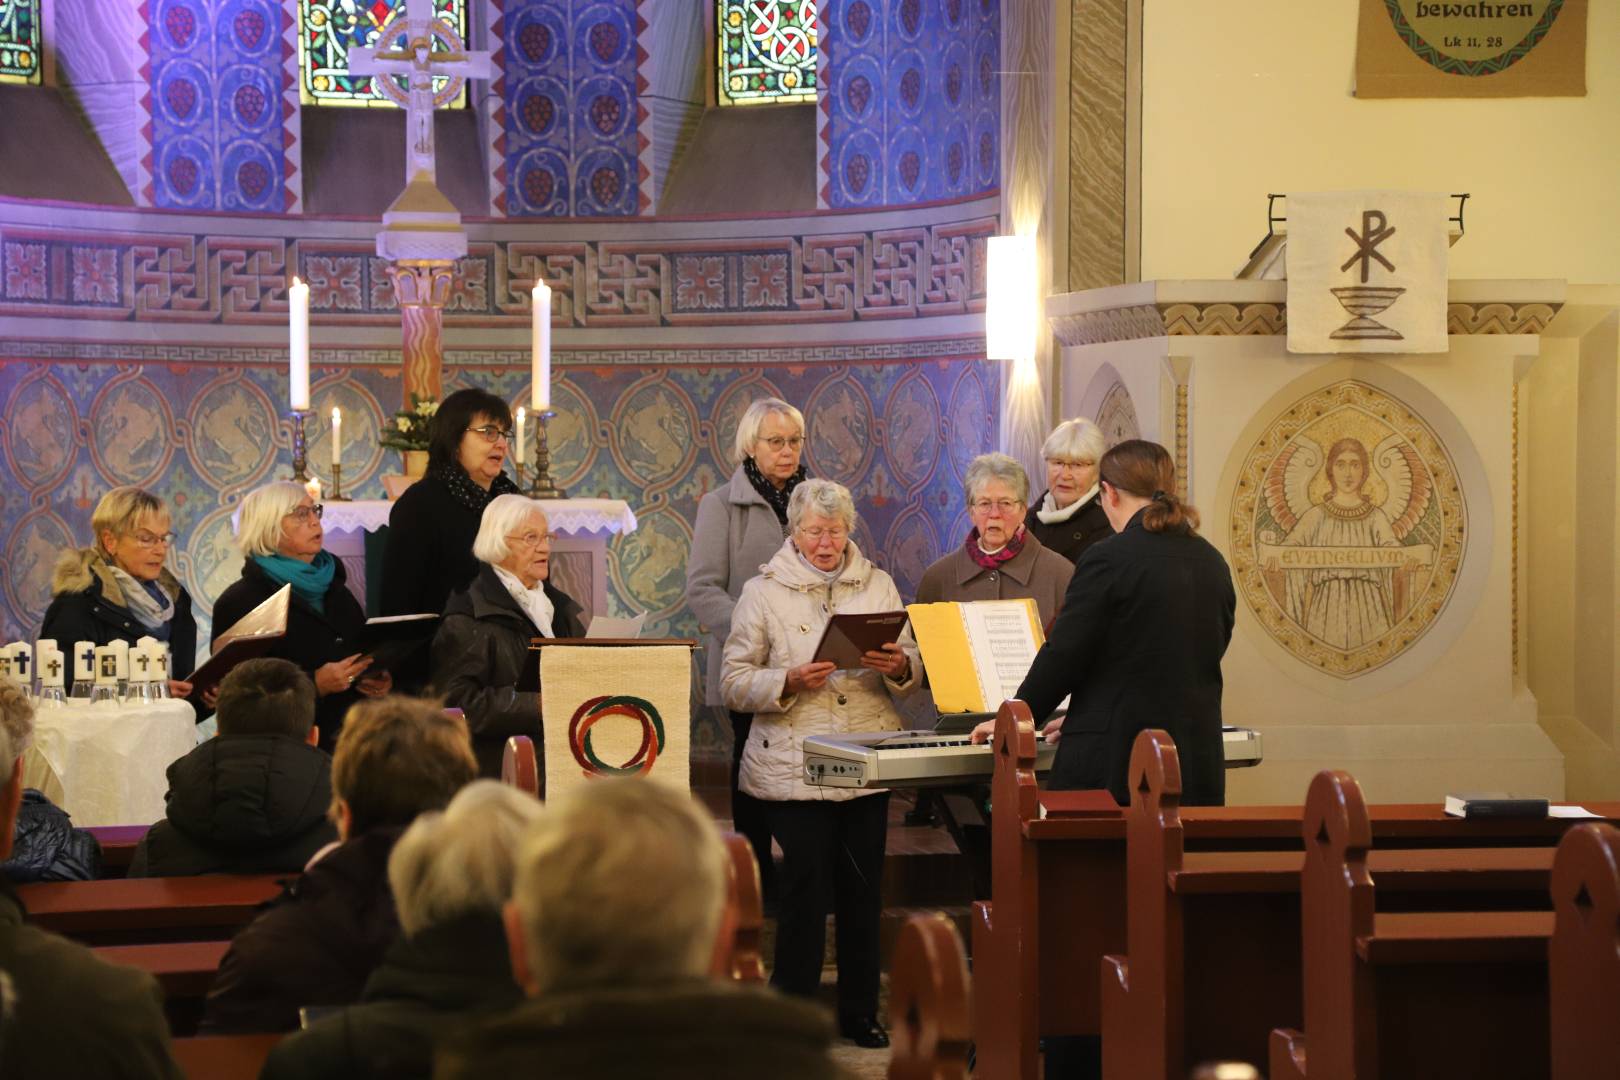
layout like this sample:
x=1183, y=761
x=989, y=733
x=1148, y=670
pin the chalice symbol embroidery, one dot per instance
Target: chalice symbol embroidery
x=1364, y=301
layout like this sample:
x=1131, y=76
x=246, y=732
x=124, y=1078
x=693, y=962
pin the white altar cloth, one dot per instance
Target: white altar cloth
x=106, y=764
x=563, y=515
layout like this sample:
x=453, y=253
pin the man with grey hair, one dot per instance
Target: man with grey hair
x=618, y=899
x=72, y=1014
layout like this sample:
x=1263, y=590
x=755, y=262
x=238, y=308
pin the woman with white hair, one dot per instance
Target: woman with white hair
x=279, y=532
x=481, y=649
x=450, y=874
x=832, y=838
x=738, y=528
x=1069, y=516
x=120, y=588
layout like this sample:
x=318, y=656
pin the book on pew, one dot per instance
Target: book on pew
x=1494, y=805
x=250, y=638
x=976, y=652
x=391, y=640
x=850, y=635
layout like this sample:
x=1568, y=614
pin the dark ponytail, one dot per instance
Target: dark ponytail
x=1146, y=470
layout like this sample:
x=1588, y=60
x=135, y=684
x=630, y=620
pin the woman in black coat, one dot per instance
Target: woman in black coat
x=281, y=540
x=431, y=527
x=1139, y=639
x=1068, y=517
x=481, y=651
x=119, y=589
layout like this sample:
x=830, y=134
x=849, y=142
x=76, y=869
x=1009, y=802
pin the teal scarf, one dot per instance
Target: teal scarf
x=309, y=580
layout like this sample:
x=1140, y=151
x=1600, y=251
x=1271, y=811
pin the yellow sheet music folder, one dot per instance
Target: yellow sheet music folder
x=976, y=652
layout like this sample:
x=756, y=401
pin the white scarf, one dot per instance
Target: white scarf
x=1049, y=514
x=139, y=601
x=534, y=602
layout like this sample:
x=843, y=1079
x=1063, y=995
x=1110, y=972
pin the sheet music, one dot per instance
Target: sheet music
x=1004, y=646
x=610, y=626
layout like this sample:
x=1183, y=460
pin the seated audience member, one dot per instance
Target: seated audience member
x=70, y=1014
x=118, y=588
x=1068, y=517
x=450, y=874
x=253, y=799
x=481, y=649
x=1001, y=558
x=280, y=534
x=46, y=846
x=319, y=942
x=614, y=916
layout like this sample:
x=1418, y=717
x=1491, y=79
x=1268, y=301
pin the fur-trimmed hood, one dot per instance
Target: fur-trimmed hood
x=80, y=569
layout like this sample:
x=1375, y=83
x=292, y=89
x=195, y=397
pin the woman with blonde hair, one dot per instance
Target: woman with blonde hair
x=120, y=588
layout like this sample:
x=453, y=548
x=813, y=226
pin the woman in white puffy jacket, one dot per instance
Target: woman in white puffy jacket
x=832, y=838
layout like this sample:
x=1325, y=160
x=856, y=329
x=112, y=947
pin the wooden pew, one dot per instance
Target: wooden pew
x=930, y=1010
x=212, y=906
x=1417, y=994
x=1583, y=961
x=223, y=1057
x=185, y=969
x=1058, y=898
x=1205, y=922
x=118, y=844
x=737, y=954
x=518, y=765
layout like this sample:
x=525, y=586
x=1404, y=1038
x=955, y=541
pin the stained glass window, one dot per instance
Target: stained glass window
x=766, y=51
x=19, y=41
x=330, y=28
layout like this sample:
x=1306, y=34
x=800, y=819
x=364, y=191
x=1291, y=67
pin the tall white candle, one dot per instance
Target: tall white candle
x=540, y=396
x=298, y=344
x=337, y=436
x=522, y=423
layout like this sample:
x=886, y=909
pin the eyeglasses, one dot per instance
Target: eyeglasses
x=306, y=514
x=776, y=442
x=1060, y=464
x=532, y=541
x=151, y=540
x=817, y=535
x=1005, y=506
x=491, y=433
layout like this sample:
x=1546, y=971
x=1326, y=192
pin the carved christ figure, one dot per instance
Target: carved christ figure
x=419, y=111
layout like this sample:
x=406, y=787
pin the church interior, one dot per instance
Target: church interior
x=939, y=229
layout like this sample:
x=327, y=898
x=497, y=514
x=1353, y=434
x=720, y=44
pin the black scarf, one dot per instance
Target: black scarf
x=466, y=492
x=778, y=499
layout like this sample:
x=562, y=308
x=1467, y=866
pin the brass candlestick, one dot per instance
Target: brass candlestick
x=298, y=462
x=337, y=484
x=518, y=467
x=543, y=487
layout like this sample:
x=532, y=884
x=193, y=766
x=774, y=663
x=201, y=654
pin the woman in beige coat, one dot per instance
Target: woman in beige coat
x=832, y=838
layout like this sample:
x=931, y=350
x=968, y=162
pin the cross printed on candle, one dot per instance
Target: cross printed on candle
x=145, y=661
x=20, y=661
x=53, y=667
x=87, y=658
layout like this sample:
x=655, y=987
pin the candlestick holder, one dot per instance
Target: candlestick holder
x=517, y=466
x=299, y=462
x=337, y=485
x=543, y=487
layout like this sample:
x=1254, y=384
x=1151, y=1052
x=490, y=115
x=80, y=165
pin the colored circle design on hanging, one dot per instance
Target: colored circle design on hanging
x=595, y=709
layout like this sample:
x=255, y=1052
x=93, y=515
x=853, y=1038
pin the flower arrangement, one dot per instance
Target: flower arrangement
x=409, y=428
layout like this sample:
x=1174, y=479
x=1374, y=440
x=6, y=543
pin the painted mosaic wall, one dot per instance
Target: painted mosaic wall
x=217, y=76
x=205, y=430
x=911, y=102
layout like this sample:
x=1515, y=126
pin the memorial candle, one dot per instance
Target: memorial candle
x=298, y=344
x=337, y=436
x=540, y=396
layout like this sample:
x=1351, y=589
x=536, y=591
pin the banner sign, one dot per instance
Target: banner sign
x=1471, y=48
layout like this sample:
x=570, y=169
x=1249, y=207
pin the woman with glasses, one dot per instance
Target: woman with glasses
x=739, y=527
x=432, y=525
x=279, y=532
x=1068, y=517
x=119, y=588
x=481, y=650
x=832, y=838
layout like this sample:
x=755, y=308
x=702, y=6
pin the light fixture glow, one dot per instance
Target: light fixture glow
x=1010, y=313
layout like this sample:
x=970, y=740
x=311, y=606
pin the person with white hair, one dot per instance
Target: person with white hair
x=832, y=838
x=481, y=650
x=615, y=912
x=451, y=873
x=738, y=528
x=71, y=1014
x=1068, y=517
x=120, y=587
x=279, y=532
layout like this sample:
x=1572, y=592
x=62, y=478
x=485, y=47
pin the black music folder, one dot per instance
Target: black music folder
x=391, y=640
x=849, y=635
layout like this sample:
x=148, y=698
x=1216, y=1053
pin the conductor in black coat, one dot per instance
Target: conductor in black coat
x=281, y=538
x=1139, y=639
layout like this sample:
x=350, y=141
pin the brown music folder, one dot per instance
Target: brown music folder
x=849, y=635
x=251, y=637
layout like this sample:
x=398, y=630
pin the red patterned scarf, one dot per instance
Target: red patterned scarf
x=989, y=561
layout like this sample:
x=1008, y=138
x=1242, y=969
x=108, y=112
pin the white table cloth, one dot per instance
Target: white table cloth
x=563, y=515
x=106, y=764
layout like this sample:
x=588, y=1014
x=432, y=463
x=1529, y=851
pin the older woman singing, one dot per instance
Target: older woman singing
x=1068, y=517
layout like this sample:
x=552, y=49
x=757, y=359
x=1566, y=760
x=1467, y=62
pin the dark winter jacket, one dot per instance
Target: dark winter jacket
x=1070, y=538
x=430, y=539
x=479, y=653
x=241, y=804
x=443, y=977
x=312, y=639
x=75, y=1015
x=88, y=605
x=315, y=944
x=47, y=847
x=695, y=1030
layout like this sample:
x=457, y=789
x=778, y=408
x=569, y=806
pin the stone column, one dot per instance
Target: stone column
x=422, y=287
